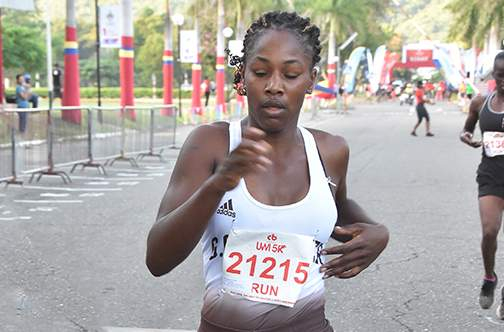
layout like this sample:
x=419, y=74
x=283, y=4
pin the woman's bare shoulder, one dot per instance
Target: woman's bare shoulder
x=333, y=149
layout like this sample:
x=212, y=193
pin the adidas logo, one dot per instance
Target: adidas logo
x=226, y=209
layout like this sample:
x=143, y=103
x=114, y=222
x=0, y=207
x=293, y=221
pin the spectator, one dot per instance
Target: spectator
x=22, y=102
x=32, y=96
x=206, y=89
x=56, y=76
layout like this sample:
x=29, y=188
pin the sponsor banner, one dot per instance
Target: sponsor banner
x=188, y=46
x=110, y=26
x=416, y=56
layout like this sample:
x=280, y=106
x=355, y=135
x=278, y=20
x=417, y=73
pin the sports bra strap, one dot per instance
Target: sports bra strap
x=234, y=135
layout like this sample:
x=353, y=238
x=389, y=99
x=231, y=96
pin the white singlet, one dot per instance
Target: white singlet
x=314, y=215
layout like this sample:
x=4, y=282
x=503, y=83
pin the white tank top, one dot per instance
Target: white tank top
x=315, y=215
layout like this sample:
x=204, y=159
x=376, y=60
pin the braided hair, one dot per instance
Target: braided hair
x=307, y=33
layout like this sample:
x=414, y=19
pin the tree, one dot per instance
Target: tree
x=23, y=48
x=149, y=44
x=475, y=20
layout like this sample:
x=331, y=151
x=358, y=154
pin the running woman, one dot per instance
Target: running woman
x=421, y=110
x=490, y=176
x=264, y=196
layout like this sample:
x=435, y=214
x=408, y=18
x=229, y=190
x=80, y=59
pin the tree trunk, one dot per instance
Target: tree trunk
x=331, y=56
x=219, y=67
x=71, y=83
x=196, y=74
x=168, y=63
x=126, y=58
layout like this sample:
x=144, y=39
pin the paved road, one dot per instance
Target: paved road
x=72, y=257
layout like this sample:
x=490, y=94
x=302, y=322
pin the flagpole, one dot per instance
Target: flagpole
x=97, y=18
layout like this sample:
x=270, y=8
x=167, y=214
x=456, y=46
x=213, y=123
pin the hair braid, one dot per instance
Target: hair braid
x=308, y=34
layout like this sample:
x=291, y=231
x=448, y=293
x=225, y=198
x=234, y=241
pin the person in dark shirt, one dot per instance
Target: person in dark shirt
x=489, y=111
x=56, y=76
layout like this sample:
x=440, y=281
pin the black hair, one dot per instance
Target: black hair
x=306, y=32
x=18, y=76
x=419, y=84
x=499, y=56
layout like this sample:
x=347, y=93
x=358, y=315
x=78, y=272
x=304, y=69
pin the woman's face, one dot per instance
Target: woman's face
x=498, y=74
x=277, y=75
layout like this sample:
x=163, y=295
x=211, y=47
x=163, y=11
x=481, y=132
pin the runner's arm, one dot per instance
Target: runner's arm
x=472, y=118
x=197, y=185
x=190, y=200
x=364, y=239
x=349, y=212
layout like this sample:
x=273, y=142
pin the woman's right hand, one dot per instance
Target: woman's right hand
x=466, y=137
x=252, y=155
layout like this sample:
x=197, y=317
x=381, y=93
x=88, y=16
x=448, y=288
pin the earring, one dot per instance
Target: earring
x=309, y=91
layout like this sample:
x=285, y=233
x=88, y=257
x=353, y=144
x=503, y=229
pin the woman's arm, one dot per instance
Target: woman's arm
x=196, y=187
x=364, y=238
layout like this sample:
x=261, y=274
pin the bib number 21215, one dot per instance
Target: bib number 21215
x=267, y=267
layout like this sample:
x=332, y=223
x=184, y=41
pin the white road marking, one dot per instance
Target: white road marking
x=16, y=218
x=155, y=174
x=66, y=189
x=6, y=213
x=42, y=209
x=108, y=179
x=91, y=194
x=127, y=170
x=128, y=183
x=34, y=201
x=53, y=195
x=2, y=195
x=127, y=174
x=137, y=329
x=2, y=206
x=98, y=183
x=155, y=167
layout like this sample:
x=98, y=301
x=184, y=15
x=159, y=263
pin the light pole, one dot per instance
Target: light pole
x=227, y=32
x=49, y=54
x=178, y=21
x=341, y=48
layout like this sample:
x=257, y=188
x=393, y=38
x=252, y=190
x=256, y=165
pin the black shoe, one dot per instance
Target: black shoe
x=429, y=134
x=413, y=133
x=486, y=296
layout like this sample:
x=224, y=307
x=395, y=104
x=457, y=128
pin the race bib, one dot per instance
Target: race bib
x=267, y=267
x=493, y=143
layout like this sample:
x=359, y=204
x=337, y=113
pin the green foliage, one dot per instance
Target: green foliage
x=363, y=16
x=23, y=49
x=107, y=92
x=474, y=19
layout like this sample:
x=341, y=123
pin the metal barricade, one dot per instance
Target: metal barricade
x=162, y=131
x=134, y=124
x=46, y=143
x=8, y=171
x=68, y=137
x=106, y=132
x=30, y=140
x=81, y=136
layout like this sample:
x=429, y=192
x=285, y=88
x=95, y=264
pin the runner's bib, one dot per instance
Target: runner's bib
x=267, y=267
x=493, y=142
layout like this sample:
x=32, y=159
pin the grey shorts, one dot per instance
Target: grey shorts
x=226, y=313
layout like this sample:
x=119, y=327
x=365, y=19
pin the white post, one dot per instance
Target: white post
x=49, y=50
